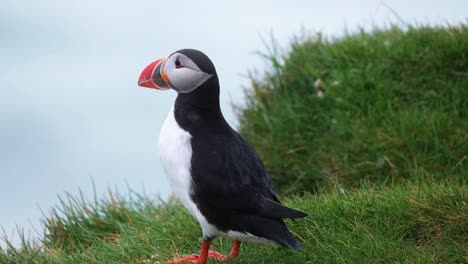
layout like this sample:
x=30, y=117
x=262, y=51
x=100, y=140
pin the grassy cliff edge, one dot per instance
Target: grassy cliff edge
x=368, y=134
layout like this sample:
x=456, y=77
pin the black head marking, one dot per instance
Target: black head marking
x=200, y=59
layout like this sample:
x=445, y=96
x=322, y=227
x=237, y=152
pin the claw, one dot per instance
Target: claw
x=216, y=255
x=205, y=253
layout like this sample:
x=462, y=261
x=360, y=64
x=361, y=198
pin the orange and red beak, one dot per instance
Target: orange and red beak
x=154, y=77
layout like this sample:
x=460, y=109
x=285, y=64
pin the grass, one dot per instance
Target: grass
x=379, y=162
x=412, y=223
x=394, y=106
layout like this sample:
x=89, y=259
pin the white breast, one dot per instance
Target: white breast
x=175, y=152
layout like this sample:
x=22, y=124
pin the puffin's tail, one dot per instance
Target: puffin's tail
x=274, y=230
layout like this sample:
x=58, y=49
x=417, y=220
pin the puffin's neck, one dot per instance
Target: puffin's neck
x=199, y=112
x=204, y=98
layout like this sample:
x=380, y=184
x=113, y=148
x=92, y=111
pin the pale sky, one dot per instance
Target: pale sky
x=70, y=109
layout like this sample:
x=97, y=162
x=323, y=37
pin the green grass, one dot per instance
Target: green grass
x=410, y=223
x=379, y=162
x=395, y=106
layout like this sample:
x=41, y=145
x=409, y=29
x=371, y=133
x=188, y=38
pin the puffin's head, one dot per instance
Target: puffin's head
x=183, y=71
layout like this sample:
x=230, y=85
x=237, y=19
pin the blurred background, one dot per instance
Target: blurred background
x=71, y=113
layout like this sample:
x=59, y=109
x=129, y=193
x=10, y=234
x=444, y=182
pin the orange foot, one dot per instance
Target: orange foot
x=197, y=259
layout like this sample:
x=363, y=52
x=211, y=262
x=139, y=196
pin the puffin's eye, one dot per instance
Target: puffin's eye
x=178, y=64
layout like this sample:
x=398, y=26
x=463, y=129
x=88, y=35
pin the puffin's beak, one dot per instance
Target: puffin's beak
x=153, y=77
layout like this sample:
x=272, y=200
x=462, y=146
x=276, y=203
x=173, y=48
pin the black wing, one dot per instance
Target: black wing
x=230, y=178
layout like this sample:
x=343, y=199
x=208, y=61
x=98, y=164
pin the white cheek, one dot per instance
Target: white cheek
x=184, y=79
x=187, y=80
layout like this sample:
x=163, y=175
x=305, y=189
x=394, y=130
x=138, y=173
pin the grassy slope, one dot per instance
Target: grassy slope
x=411, y=223
x=395, y=106
x=384, y=152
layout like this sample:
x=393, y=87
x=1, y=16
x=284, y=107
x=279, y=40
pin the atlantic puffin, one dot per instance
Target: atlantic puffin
x=212, y=170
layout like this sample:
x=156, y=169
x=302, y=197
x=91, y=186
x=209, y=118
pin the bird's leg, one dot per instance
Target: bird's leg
x=235, y=249
x=205, y=253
